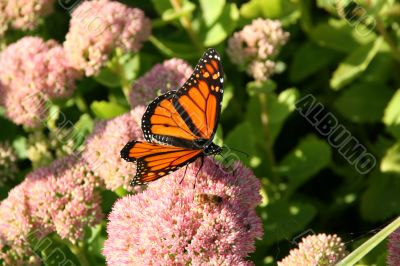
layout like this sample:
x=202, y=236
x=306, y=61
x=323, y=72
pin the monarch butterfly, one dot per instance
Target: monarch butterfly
x=179, y=126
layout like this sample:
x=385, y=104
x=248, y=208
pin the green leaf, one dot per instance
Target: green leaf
x=339, y=35
x=250, y=9
x=161, y=5
x=106, y=110
x=381, y=200
x=356, y=105
x=278, y=109
x=84, y=124
x=108, y=78
x=284, y=220
x=96, y=243
x=180, y=49
x=306, y=160
x=271, y=8
x=211, y=11
x=82, y=128
x=52, y=250
x=377, y=256
x=371, y=243
x=309, y=59
x=391, y=161
x=330, y=5
x=254, y=87
x=353, y=66
x=379, y=70
x=172, y=14
x=20, y=146
x=131, y=67
x=391, y=117
x=224, y=26
x=228, y=95
x=235, y=140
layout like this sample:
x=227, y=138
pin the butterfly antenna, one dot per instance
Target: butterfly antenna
x=242, y=152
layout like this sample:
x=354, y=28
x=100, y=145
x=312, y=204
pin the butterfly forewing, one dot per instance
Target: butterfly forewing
x=191, y=113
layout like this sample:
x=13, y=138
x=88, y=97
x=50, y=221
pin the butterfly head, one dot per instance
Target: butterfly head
x=212, y=149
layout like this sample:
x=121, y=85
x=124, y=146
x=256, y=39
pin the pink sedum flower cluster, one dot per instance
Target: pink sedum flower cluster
x=98, y=27
x=103, y=146
x=15, y=226
x=393, y=258
x=255, y=47
x=321, y=250
x=3, y=18
x=174, y=224
x=32, y=71
x=23, y=14
x=59, y=198
x=170, y=75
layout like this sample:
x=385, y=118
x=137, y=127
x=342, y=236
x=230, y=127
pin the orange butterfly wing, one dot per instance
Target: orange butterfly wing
x=182, y=117
x=155, y=161
x=182, y=123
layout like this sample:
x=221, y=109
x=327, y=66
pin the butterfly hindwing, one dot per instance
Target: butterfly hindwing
x=191, y=113
x=155, y=161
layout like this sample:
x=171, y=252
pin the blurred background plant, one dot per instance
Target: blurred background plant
x=84, y=65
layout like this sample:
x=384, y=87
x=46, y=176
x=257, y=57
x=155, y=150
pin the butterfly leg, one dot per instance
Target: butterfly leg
x=198, y=171
x=184, y=174
x=233, y=169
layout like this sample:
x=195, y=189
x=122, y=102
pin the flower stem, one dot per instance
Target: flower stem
x=187, y=24
x=79, y=252
x=367, y=246
x=267, y=136
x=80, y=102
x=382, y=30
x=160, y=46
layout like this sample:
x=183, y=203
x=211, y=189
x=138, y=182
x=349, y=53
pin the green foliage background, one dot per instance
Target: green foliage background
x=349, y=61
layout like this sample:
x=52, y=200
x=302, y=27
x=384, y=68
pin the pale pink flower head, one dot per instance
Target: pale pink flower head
x=3, y=18
x=321, y=250
x=24, y=107
x=63, y=198
x=98, y=27
x=103, y=146
x=17, y=255
x=31, y=72
x=60, y=198
x=393, y=258
x=255, y=47
x=15, y=226
x=23, y=14
x=172, y=223
x=170, y=75
x=15, y=221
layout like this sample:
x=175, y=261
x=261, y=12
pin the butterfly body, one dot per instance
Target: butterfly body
x=179, y=126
